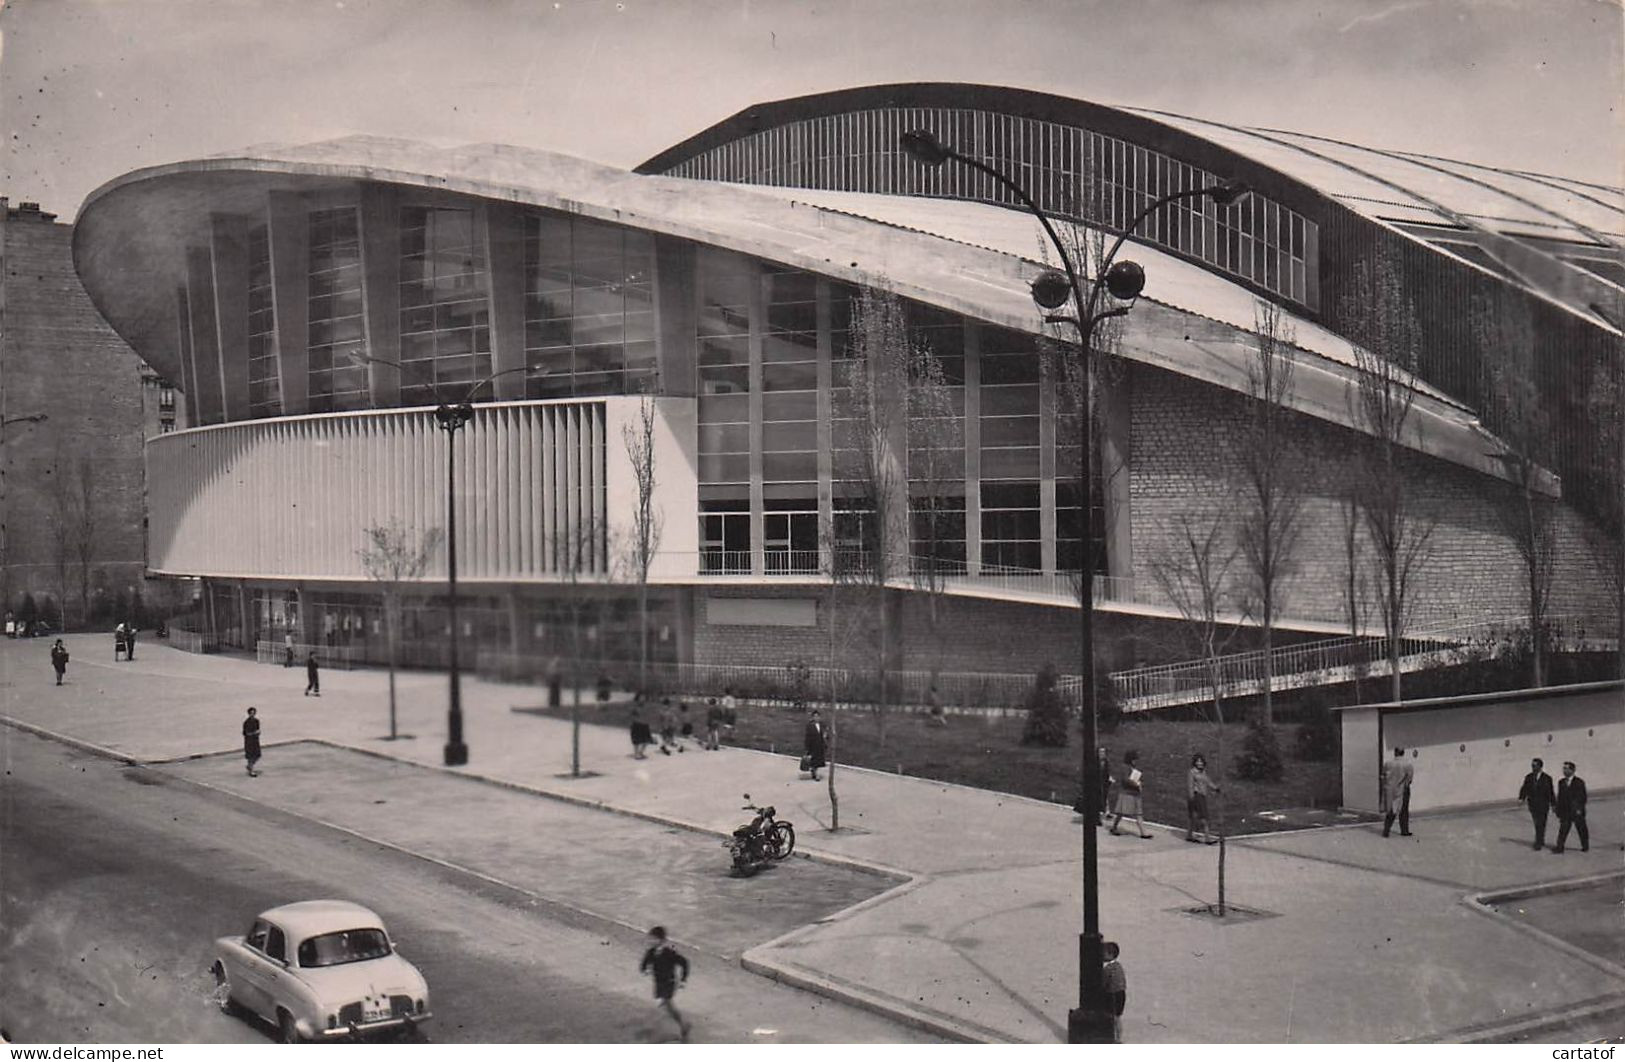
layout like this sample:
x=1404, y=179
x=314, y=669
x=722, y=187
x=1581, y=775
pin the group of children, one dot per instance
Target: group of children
x=677, y=727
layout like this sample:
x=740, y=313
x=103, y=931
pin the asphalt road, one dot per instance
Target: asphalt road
x=114, y=881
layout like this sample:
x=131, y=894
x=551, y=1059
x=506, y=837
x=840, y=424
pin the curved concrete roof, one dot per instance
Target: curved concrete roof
x=132, y=233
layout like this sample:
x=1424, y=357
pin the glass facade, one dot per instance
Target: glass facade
x=1069, y=172
x=589, y=308
x=777, y=489
x=337, y=326
x=264, y=378
x=445, y=318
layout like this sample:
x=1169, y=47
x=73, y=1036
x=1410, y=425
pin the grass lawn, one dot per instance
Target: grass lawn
x=986, y=753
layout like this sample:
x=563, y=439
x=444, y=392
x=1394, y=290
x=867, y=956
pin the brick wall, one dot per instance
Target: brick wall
x=1184, y=461
x=59, y=357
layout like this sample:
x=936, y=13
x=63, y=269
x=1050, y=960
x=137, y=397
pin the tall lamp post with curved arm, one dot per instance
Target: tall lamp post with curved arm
x=1092, y=1021
x=451, y=416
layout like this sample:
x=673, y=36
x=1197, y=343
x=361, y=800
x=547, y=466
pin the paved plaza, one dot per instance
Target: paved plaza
x=968, y=922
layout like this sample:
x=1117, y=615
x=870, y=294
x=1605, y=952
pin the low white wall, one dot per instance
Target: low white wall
x=292, y=497
x=1475, y=750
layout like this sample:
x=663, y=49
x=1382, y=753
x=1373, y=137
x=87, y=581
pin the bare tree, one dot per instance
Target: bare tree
x=869, y=409
x=1353, y=580
x=66, y=524
x=1388, y=341
x=647, y=520
x=1271, y=491
x=1515, y=410
x=393, y=557
x=936, y=484
x=578, y=555
x=1195, y=574
x=1607, y=401
x=83, y=533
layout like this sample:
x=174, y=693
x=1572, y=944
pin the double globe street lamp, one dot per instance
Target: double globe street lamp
x=450, y=416
x=1092, y=1020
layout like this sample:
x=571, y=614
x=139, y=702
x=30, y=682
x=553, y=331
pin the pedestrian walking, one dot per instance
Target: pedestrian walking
x=641, y=738
x=129, y=641
x=685, y=726
x=1115, y=983
x=1198, y=785
x=1536, y=793
x=313, y=676
x=816, y=743
x=604, y=689
x=118, y=642
x=1129, y=792
x=251, y=742
x=665, y=962
x=668, y=726
x=287, y=649
x=713, y=724
x=1571, y=809
x=1106, y=782
x=59, y=660
x=933, y=702
x=1397, y=776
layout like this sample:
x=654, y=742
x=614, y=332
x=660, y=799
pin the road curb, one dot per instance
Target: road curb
x=72, y=742
x=1482, y=903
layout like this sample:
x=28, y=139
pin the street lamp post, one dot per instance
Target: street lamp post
x=451, y=416
x=1091, y=1021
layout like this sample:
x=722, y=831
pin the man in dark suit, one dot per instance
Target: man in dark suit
x=1537, y=793
x=1571, y=809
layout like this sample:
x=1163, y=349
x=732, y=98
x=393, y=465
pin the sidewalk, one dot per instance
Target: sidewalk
x=1356, y=938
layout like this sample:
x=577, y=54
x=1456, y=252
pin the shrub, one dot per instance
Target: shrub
x=1317, y=737
x=1260, y=759
x=1108, y=711
x=50, y=615
x=28, y=611
x=1046, y=715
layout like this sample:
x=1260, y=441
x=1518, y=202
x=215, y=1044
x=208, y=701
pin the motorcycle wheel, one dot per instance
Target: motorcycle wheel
x=783, y=840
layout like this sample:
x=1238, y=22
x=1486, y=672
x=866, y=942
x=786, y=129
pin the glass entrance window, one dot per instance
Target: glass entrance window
x=790, y=536
x=264, y=379
x=725, y=537
x=1011, y=536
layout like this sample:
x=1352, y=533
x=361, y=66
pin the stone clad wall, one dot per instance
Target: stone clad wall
x=59, y=357
x=1185, y=441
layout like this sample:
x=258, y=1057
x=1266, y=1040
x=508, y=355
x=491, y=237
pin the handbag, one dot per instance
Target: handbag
x=806, y=762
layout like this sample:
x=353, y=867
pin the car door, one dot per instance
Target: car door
x=250, y=981
x=279, y=991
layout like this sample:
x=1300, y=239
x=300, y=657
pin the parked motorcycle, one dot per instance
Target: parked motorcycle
x=760, y=841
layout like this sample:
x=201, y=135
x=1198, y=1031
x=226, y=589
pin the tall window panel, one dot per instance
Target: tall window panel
x=264, y=382
x=445, y=315
x=589, y=309
x=1010, y=371
x=790, y=385
x=337, y=328
x=725, y=282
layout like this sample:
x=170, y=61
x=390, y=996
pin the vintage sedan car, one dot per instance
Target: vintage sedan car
x=318, y=970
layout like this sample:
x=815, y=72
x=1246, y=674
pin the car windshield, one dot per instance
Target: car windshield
x=351, y=945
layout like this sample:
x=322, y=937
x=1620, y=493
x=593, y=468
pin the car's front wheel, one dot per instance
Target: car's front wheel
x=288, y=1032
x=222, y=989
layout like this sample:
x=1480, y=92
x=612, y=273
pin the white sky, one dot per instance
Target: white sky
x=95, y=88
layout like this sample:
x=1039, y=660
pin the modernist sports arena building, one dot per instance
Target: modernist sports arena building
x=316, y=302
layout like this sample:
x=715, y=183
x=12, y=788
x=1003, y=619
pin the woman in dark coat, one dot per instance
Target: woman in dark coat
x=641, y=737
x=251, y=742
x=59, y=660
x=814, y=740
